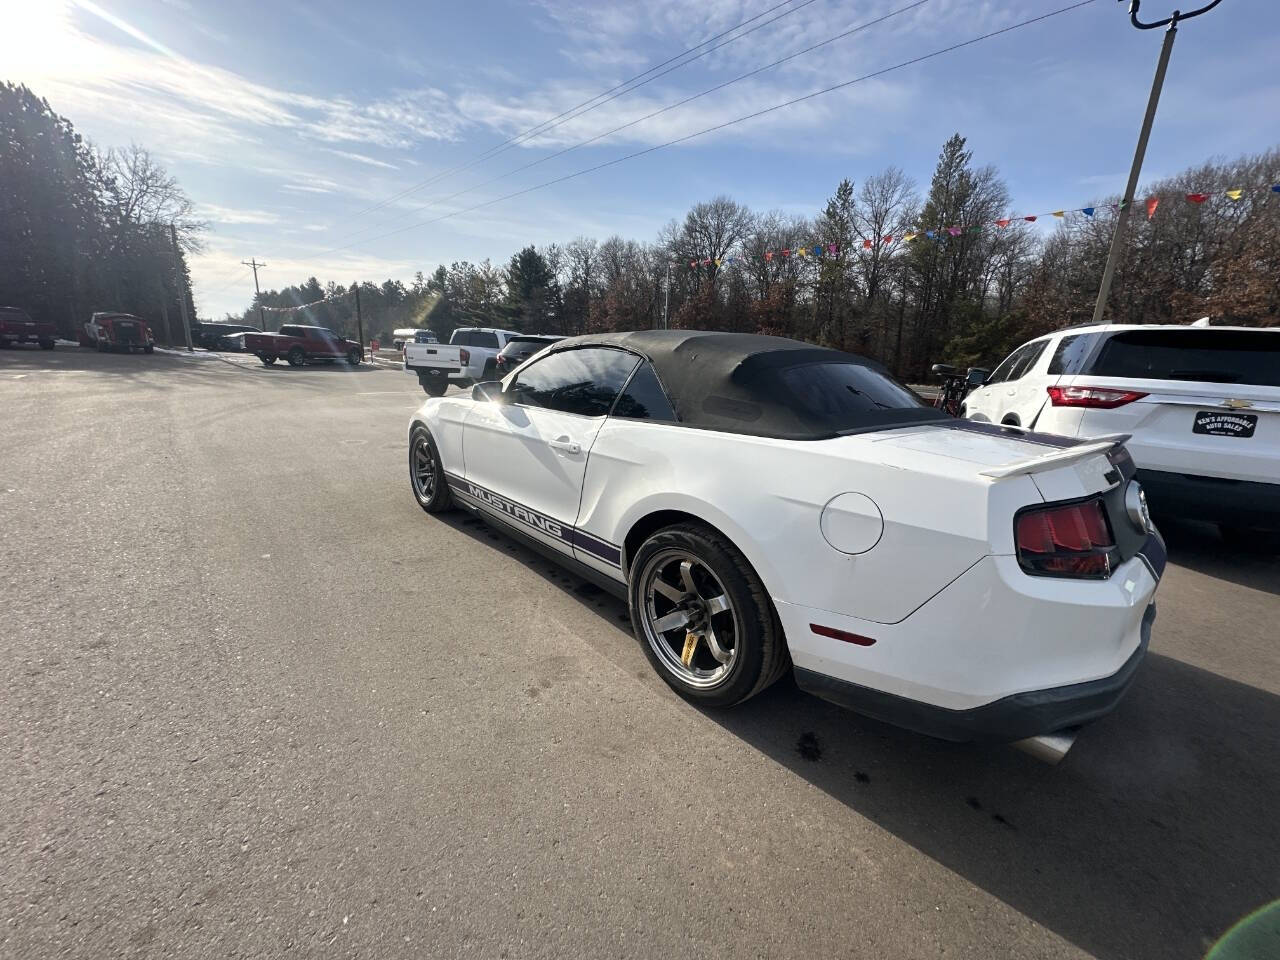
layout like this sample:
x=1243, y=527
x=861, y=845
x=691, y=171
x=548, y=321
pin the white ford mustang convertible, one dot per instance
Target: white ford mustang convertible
x=766, y=505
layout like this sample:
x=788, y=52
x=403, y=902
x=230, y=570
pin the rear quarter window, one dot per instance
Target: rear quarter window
x=1200, y=354
x=1069, y=354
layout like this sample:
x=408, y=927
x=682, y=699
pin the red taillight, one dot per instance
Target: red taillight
x=1100, y=398
x=1065, y=541
x=464, y=355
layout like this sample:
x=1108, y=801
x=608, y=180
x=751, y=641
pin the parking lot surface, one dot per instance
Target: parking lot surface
x=256, y=703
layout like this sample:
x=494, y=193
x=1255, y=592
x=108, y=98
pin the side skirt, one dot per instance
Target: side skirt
x=572, y=564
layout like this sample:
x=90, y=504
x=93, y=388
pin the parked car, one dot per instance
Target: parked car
x=411, y=335
x=470, y=355
x=212, y=335
x=1202, y=405
x=519, y=349
x=299, y=344
x=483, y=346
x=233, y=342
x=766, y=505
x=117, y=332
x=16, y=326
x=435, y=364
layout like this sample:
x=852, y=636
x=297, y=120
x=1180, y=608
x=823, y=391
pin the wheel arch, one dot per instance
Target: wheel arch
x=654, y=517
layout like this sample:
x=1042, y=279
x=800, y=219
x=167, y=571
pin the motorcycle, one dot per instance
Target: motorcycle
x=956, y=385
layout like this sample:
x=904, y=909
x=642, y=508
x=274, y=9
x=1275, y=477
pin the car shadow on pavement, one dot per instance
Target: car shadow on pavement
x=1158, y=831
x=1200, y=547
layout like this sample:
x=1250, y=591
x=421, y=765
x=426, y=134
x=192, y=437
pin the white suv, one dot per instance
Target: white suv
x=1202, y=404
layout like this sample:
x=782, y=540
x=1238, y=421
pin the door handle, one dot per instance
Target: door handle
x=565, y=444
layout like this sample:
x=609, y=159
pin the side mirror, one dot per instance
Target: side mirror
x=489, y=390
x=977, y=376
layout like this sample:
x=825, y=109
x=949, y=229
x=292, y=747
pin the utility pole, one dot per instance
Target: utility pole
x=359, y=317
x=666, y=297
x=253, y=262
x=1126, y=204
x=182, y=291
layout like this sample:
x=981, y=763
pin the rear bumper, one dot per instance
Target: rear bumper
x=1015, y=717
x=1213, y=499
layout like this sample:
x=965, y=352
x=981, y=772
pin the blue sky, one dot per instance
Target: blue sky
x=287, y=119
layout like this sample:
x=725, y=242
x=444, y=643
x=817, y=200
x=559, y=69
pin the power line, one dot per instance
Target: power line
x=728, y=123
x=649, y=116
x=590, y=103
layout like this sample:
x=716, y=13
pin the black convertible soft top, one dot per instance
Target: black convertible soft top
x=768, y=386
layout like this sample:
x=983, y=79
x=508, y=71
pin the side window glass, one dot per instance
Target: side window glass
x=1069, y=354
x=1001, y=373
x=585, y=382
x=1030, y=354
x=644, y=398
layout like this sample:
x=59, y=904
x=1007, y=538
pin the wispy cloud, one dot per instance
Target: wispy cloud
x=219, y=214
x=149, y=82
x=360, y=158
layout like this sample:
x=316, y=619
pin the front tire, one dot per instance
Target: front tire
x=267, y=359
x=426, y=473
x=296, y=357
x=703, y=618
x=353, y=357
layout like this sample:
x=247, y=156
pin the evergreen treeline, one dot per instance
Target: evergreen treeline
x=966, y=298
x=82, y=230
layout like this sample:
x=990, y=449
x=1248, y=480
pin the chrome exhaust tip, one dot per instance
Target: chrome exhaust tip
x=1050, y=747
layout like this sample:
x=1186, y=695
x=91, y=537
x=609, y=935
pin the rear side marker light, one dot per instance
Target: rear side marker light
x=844, y=635
x=1065, y=541
x=1100, y=398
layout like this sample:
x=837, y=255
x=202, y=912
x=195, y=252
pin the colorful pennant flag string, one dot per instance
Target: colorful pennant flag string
x=940, y=234
x=304, y=306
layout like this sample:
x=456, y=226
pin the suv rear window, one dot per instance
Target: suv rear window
x=1213, y=356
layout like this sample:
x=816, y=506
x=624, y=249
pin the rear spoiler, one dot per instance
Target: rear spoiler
x=1057, y=458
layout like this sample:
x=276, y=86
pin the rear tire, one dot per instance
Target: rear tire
x=741, y=617
x=426, y=473
x=296, y=357
x=353, y=357
x=268, y=358
x=434, y=386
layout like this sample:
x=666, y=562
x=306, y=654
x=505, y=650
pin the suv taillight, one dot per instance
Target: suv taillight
x=1071, y=540
x=464, y=355
x=1101, y=398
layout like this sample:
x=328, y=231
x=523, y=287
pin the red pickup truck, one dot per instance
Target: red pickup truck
x=298, y=344
x=16, y=326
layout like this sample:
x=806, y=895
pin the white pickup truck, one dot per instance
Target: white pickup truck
x=470, y=356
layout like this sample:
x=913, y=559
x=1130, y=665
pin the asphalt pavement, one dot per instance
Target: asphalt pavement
x=257, y=704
